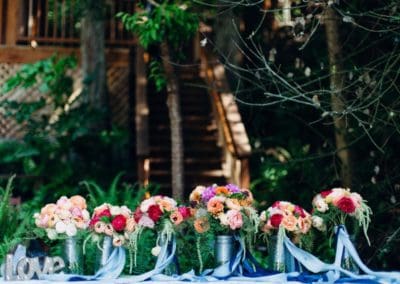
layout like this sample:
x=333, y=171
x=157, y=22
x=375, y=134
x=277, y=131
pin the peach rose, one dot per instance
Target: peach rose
x=305, y=224
x=78, y=201
x=289, y=222
x=215, y=206
x=130, y=225
x=201, y=225
x=196, y=193
x=49, y=209
x=233, y=203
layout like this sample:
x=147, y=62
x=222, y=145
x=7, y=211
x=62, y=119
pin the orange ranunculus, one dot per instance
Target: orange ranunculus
x=221, y=190
x=201, y=225
x=215, y=206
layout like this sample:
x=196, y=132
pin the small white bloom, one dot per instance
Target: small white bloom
x=71, y=230
x=307, y=72
x=115, y=210
x=320, y=204
x=85, y=215
x=223, y=219
x=156, y=250
x=61, y=227
x=144, y=207
x=51, y=234
x=318, y=223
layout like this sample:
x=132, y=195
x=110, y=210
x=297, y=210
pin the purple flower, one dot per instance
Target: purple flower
x=208, y=194
x=233, y=188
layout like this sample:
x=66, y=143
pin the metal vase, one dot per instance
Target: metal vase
x=224, y=249
x=276, y=254
x=104, y=252
x=73, y=255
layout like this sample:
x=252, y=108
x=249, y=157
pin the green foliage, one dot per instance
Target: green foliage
x=60, y=145
x=170, y=22
x=12, y=221
x=126, y=194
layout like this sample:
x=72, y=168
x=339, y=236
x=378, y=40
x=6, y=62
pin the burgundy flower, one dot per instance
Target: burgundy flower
x=154, y=213
x=119, y=223
x=326, y=193
x=347, y=205
x=276, y=220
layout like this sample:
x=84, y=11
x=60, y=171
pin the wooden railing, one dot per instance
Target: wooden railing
x=232, y=136
x=57, y=22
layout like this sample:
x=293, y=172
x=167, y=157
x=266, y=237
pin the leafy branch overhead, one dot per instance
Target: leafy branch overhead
x=171, y=22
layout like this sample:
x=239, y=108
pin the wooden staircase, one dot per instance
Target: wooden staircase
x=202, y=155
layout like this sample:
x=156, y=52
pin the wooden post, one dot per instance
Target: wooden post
x=12, y=22
x=2, y=21
x=141, y=114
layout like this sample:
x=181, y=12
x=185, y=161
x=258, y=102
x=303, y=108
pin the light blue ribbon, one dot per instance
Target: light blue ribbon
x=165, y=258
x=344, y=244
x=111, y=270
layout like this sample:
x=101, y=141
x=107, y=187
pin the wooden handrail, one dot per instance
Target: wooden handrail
x=233, y=137
x=237, y=143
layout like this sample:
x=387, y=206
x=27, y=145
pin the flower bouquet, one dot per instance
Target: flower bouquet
x=225, y=212
x=161, y=214
x=64, y=220
x=331, y=210
x=285, y=218
x=110, y=226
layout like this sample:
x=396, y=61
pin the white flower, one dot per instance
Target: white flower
x=144, y=207
x=115, y=210
x=263, y=216
x=71, y=230
x=61, y=227
x=51, y=234
x=320, y=204
x=85, y=214
x=156, y=250
x=223, y=219
x=318, y=223
x=125, y=211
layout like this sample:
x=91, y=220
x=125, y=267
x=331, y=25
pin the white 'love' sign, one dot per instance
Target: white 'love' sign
x=27, y=267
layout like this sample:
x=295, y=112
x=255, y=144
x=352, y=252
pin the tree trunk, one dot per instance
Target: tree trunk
x=174, y=109
x=338, y=106
x=93, y=55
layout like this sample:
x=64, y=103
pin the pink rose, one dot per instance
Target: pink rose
x=145, y=221
x=185, y=212
x=235, y=219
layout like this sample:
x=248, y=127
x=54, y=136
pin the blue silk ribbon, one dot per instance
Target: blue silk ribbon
x=111, y=270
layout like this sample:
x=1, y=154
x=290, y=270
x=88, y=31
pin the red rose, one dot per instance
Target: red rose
x=154, y=212
x=93, y=222
x=185, y=212
x=119, y=223
x=347, y=205
x=105, y=213
x=276, y=220
x=137, y=215
x=326, y=193
x=299, y=211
